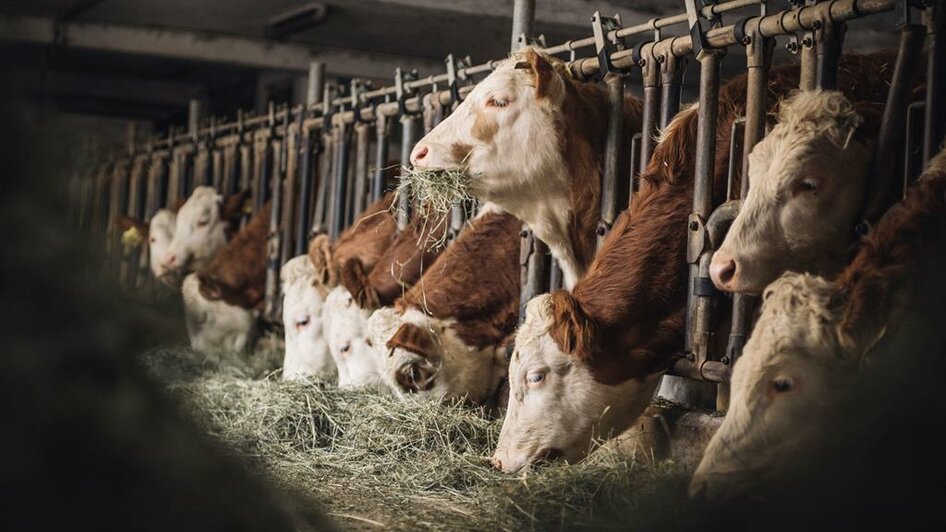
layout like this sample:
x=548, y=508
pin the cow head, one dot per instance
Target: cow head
x=808, y=181
x=215, y=325
x=504, y=132
x=160, y=234
x=556, y=406
x=357, y=360
x=307, y=353
x=806, y=345
x=201, y=229
x=424, y=358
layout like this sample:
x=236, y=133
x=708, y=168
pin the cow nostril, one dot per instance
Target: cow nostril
x=419, y=153
x=497, y=463
x=723, y=271
x=170, y=260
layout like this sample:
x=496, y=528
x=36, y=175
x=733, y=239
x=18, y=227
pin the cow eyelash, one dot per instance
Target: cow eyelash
x=497, y=102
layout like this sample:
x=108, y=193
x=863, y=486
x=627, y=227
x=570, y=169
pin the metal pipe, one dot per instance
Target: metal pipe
x=650, y=72
x=315, y=84
x=326, y=160
x=523, y=20
x=700, y=318
x=913, y=144
x=274, y=240
x=362, y=145
x=382, y=131
x=615, y=173
x=535, y=269
x=829, y=37
x=303, y=205
x=408, y=139
x=671, y=79
x=339, y=192
x=935, y=132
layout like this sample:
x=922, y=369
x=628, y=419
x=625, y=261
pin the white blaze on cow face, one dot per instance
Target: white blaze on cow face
x=443, y=369
x=556, y=408
x=215, y=325
x=807, y=185
x=307, y=353
x=200, y=231
x=160, y=234
x=357, y=360
x=507, y=136
x=794, y=363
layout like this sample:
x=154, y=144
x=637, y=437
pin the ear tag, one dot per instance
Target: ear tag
x=248, y=206
x=132, y=238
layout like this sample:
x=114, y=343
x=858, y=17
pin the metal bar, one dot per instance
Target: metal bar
x=829, y=39
x=362, y=151
x=671, y=79
x=650, y=72
x=340, y=179
x=306, y=189
x=326, y=164
x=913, y=144
x=890, y=138
x=274, y=240
x=408, y=139
x=382, y=131
x=615, y=173
x=700, y=318
x=523, y=20
x=935, y=131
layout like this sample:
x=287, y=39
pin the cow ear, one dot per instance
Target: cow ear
x=570, y=328
x=232, y=206
x=864, y=309
x=415, y=339
x=543, y=72
x=320, y=254
x=210, y=287
x=354, y=278
x=127, y=222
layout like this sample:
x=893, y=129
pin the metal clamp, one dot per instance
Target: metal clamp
x=695, y=25
x=358, y=87
x=605, y=44
x=454, y=65
x=401, y=89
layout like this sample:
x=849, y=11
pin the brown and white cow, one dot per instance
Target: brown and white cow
x=445, y=339
x=202, y=226
x=158, y=233
x=232, y=284
x=814, y=334
x=595, y=353
x=809, y=181
x=533, y=140
x=307, y=353
x=349, y=305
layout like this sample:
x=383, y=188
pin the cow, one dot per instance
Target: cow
x=214, y=325
x=203, y=225
x=532, y=139
x=366, y=240
x=813, y=335
x=307, y=353
x=350, y=304
x=158, y=232
x=595, y=354
x=445, y=339
x=808, y=183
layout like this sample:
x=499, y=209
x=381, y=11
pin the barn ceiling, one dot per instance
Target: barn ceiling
x=365, y=38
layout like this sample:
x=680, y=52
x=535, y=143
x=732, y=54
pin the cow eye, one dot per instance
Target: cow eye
x=535, y=378
x=302, y=323
x=808, y=184
x=152, y=239
x=346, y=347
x=203, y=222
x=496, y=101
x=782, y=384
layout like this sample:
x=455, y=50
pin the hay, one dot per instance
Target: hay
x=436, y=191
x=378, y=462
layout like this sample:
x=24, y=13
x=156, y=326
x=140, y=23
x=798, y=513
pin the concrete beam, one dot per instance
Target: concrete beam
x=167, y=93
x=197, y=46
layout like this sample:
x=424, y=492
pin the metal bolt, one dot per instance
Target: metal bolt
x=808, y=42
x=725, y=360
x=524, y=233
x=601, y=230
x=791, y=47
x=691, y=357
x=694, y=226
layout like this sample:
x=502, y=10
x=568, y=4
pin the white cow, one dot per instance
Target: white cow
x=307, y=353
x=355, y=354
x=808, y=179
x=158, y=233
x=201, y=229
x=215, y=325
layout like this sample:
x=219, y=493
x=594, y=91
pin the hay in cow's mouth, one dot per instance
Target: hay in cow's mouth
x=436, y=190
x=375, y=461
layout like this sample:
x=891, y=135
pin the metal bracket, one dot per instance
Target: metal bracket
x=522, y=42
x=605, y=44
x=454, y=65
x=697, y=239
x=402, y=91
x=695, y=25
x=328, y=94
x=358, y=87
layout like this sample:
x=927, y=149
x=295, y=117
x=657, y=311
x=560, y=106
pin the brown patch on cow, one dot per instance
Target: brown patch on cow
x=632, y=299
x=237, y=273
x=369, y=236
x=875, y=284
x=320, y=255
x=485, y=126
x=542, y=68
x=475, y=282
x=355, y=280
x=415, y=339
x=460, y=151
x=414, y=251
x=125, y=223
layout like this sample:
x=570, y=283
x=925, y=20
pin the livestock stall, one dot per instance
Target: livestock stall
x=321, y=164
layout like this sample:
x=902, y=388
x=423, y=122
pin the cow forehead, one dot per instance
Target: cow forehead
x=504, y=77
x=202, y=200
